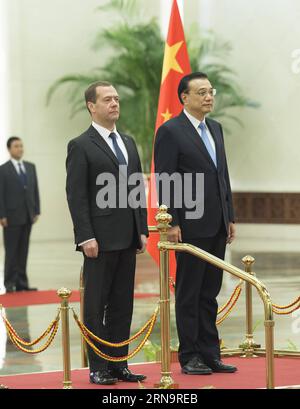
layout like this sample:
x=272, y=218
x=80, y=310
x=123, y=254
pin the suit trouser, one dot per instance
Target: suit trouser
x=108, y=301
x=198, y=283
x=16, y=244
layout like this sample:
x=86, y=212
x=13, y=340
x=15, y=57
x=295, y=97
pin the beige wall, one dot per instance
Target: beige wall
x=48, y=39
x=264, y=156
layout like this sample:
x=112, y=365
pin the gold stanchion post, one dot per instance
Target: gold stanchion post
x=64, y=295
x=84, y=361
x=163, y=219
x=249, y=345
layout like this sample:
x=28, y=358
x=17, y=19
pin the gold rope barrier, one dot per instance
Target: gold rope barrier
x=20, y=343
x=230, y=304
x=88, y=334
x=234, y=298
x=235, y=295
x=295, y=303
x=111, y=344
x=34, y=351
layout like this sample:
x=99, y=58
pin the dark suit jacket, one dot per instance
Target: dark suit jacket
x=88, y=156
x=16, y=203
x=179, y=148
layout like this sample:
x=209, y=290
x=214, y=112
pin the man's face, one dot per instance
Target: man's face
x=106, y=109
x=16, y=150
x=199, y=99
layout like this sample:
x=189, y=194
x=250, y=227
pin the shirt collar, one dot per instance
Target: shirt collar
x=104, y=132
x=194, y=120
x=16, y=162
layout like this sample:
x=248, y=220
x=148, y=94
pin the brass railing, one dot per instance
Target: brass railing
x=84, y=359
x=65, y=294
x=248, y=348
x=163, y=219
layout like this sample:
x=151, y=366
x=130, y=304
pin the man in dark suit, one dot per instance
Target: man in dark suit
x=192, y=144
x=19, y=209
x=110, y=234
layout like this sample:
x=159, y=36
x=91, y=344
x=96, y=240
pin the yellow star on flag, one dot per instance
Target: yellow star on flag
x=170, y=62
x=166, y=115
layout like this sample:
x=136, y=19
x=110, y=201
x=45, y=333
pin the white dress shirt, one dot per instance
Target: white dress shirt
x=195, y=122
x=104, y=133
x=16, y=165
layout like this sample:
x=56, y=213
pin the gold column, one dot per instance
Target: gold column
x=163, y=219
x=65, y=294
x=269, y=337
x=84, y=361
x=249, y=344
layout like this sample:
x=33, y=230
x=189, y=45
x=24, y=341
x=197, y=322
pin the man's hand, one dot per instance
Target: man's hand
x=91, y=249
x=231, y=233
x=35, y=219
x=174, y=234
x=144, y=244
x=3, y=222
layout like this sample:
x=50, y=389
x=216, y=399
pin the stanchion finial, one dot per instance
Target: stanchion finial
x=248, y=261
x=64, y=293
x=163, y=219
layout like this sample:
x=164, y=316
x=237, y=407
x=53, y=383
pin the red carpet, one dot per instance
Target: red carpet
x=250, y=375
x=25, y=298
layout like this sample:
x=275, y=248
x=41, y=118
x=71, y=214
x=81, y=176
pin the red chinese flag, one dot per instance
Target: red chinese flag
x=176, y=65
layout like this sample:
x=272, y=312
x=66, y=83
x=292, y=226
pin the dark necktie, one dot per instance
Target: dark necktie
x=119, y=153
x=22, y=176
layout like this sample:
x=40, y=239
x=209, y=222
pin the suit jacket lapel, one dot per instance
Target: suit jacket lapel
x=29, y=174
x=100, y=142
x=129, y=149
x=196, y=138
x=215, y=133
x=14, y=172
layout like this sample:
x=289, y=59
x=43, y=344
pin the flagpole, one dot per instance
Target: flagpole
x=165, y=11
x=176, y=64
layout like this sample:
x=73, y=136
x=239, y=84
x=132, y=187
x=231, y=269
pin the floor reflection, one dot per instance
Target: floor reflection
x=11, y=356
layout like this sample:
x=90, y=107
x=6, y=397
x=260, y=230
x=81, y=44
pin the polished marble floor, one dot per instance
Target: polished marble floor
x=55, y=264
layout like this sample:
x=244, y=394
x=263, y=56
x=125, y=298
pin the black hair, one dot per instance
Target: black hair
x=184, y=83
x=11, y=140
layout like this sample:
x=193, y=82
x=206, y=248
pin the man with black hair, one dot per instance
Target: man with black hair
x=192, y=144
x=19, y=209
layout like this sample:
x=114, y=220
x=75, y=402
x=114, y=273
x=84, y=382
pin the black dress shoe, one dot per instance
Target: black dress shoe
x=124, y=374
x=103, y=377
x=218, y=366
x=26, y=289
x=196, y=366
